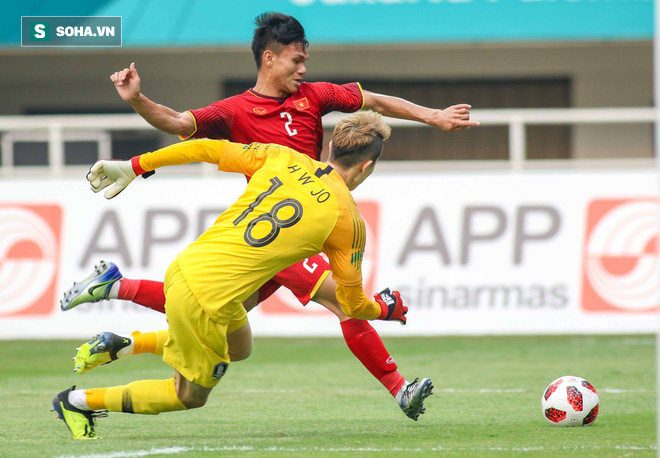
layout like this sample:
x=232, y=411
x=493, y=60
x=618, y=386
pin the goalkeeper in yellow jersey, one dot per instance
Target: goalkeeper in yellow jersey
x=293, y=208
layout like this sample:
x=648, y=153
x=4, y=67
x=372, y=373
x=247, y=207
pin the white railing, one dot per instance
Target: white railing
x=58, y=129
x=518, y=119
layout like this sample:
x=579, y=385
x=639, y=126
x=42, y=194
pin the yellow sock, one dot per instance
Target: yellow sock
x=148, y=397
x=149, y=342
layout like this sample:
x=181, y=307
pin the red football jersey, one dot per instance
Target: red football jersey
x=293, y=121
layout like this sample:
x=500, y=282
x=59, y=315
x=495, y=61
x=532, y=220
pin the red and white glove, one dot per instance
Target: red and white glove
x=392, y=308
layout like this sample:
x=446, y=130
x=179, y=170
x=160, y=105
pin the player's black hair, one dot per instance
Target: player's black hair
x=348, y=157
x=273, y=31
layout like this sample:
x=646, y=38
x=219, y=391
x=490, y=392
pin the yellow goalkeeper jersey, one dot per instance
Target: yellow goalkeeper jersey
x=293, y=208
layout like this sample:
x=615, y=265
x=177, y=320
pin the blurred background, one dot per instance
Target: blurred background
x=542, y=220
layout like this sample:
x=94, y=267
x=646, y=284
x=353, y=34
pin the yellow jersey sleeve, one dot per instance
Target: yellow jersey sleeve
x=230, y=157
x=355, y=304
x=345, y=248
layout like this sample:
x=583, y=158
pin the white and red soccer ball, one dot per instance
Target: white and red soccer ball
x=570, y=401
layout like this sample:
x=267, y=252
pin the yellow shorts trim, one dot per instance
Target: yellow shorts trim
x=318, y=284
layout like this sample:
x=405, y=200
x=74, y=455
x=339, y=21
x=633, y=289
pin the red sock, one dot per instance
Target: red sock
x=366, y=345
x=143, y=292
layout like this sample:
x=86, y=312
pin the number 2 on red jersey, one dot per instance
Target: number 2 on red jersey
x=287, y=125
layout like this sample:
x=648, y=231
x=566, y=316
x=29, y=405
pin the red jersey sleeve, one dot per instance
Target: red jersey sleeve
x=216, y=120
x=347, y=98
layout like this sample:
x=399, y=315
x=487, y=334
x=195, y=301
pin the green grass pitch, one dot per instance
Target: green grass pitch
x=302, y=397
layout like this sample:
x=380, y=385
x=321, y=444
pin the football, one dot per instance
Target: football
x=570, y=401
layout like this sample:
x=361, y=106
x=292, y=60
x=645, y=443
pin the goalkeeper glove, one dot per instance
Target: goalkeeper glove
x=120, y=173
x=106, y=173
x=391, y=305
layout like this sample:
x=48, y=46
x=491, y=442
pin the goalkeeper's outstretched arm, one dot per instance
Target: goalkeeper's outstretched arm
x=230, y=157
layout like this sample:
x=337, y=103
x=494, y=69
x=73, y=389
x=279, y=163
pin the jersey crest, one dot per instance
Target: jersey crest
x=301, y=104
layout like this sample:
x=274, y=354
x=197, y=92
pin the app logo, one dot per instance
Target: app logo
x=29, y=258
x=621, y=268
x=284, y=302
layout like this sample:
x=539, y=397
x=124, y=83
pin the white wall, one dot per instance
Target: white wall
x=472, y=253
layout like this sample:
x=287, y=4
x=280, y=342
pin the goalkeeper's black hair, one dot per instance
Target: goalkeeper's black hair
x=273, y=31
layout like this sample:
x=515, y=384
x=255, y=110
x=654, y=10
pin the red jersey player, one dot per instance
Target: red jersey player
x=281, y=109
x=293, y=121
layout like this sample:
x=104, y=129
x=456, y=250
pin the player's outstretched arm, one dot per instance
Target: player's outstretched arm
x=230, y=157
x=451, y=119
x=127, y=83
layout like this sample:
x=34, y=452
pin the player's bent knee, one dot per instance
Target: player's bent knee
x=332, y=305
x=191, y=395
x=339, y=313
x=194, y=404
x=240, y=354
x=327, y=297
x=192, y=400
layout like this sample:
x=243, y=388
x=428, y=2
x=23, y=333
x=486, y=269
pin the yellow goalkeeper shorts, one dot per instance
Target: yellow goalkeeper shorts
x=197, y=345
